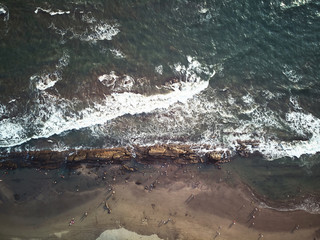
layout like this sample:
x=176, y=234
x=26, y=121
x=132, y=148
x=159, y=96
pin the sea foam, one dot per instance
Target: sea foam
x=96, y=31
x=51, y=12
x=117, y=83
x=47, y=80
x=100, y=31
x=309, y=205
x=55, y=115
x=4, y=11
x=184, y=115
x=294, y=3
x=117, y=53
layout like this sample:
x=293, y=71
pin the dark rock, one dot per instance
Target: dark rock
x=16, y=197
x=242, y=148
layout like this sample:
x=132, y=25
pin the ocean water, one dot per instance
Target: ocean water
x=87, y=74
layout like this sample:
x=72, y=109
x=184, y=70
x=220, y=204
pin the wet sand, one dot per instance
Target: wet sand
x=171, y=201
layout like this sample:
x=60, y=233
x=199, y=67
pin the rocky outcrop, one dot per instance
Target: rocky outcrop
x=182, y=154
x=54, y=159
x=114, y=155
x=179, y=154
x=243, y=148
x=219, y=157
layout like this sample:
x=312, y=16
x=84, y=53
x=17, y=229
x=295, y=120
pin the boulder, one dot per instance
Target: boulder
x=181, y=154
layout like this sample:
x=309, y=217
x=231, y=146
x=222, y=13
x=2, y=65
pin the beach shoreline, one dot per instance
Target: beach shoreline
x=169, y=200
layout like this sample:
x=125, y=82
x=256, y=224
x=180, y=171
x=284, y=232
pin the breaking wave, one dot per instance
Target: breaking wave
x=55, y=115
x=191, y=112
x=208, y=121
x=309, y=205
x=51, y=12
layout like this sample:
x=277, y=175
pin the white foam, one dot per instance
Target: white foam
x=294, y=102
x=12, y=131
x=49, y=11
x=100, y=32
x=5, y=12
x=159, y=69
x=52, y=118
x=217, y=124
x=294, y=3
x=268, y=95
x=117, y=53
x=108, y=79
x=212, y=121
x=309, y=205
x=183, y=113
x=203, y=10
x=3, y=110
x=47, y=80
x=230, y=99
x=117, y=83
x=123, y=233
x=2, y=10
x=93, y=33
x=248, y=99
x=193, y=70
x=299, y=122
x=291, y=74
x=88, y=17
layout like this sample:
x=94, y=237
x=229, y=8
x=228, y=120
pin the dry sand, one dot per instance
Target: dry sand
x=185, y=203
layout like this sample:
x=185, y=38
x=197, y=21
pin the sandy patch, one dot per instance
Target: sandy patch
x=124, y=234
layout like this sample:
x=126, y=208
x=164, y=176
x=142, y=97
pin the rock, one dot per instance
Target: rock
x=179, y=154
x=8, y=165
x=116, y=154
x=129, y=169
x=242, y=148
x=16, y=197
x=101, y=155
x=156, y=151
x=214, y=156
x=107, y=207
x=82, y=155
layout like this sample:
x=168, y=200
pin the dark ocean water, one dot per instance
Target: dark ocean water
x=87, y=74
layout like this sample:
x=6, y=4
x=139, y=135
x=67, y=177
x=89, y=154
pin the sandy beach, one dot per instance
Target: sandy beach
x=165, y=201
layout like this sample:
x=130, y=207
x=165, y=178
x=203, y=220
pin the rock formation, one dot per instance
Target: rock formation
x=179, y=154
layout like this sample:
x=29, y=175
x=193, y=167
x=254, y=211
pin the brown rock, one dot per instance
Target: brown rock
x=180, y=154
x=157, y=150
x=79, y=156
x=105, y=155
x=214, y=156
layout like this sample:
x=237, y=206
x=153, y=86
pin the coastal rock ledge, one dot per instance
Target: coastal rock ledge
x=47, y=159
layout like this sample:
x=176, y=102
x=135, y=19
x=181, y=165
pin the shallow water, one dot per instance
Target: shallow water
x=288, y=183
